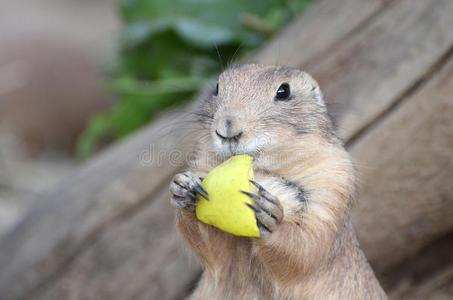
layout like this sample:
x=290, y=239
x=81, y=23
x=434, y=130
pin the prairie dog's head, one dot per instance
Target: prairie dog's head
x=257, y=108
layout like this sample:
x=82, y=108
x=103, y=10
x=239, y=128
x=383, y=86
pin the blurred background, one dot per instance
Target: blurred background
x=78, y=75
x=52, y=58
x=92, y=92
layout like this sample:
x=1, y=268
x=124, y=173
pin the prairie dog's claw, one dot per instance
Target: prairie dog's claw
x=200, y=190
x=267, y=208
x=184, y=188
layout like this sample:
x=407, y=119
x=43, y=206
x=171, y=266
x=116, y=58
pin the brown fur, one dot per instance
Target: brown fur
x=313, y=253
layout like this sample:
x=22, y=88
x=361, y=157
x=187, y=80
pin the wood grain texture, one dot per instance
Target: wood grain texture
x=428, y=275
x=138, y=259
x=67, y=218
x=315, y=35
x=406, y=166
x=108, y=223
x=363, y=77
x=439, y=286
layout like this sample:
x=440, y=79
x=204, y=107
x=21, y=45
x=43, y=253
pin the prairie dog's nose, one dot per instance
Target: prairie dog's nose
x=228, y=128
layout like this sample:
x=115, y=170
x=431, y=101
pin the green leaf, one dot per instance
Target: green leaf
x=98, y=126
x=203, y=35
x=170, y=47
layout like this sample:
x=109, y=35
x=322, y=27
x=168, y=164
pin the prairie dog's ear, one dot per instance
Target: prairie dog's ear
x=317, y=96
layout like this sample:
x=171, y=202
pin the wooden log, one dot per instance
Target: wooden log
x=65, y=220
x=318, y=33
x=428, y=275
x=364, y=76
x=406, y=162
x=367, y=76
x=437, y=287
x=138, y=259
x=63, y=240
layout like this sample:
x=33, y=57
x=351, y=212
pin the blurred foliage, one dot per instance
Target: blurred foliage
x=169, y=48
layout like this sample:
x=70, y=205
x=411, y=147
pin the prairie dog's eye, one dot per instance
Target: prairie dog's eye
x=283, y=92
x=216, y=91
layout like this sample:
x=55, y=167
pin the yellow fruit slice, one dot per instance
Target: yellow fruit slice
x=226, y=209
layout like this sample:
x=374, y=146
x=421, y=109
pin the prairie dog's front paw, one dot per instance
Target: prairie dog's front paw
x=267, y=208
x=183, y=190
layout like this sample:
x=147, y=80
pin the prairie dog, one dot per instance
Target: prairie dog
x=305, y=178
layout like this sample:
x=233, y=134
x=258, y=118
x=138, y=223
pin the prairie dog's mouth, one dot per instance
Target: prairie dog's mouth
x=251, y=147
x=227, y=149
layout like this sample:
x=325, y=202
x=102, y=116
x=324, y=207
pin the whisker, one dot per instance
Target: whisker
x=222, y=67
x=231, y=60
